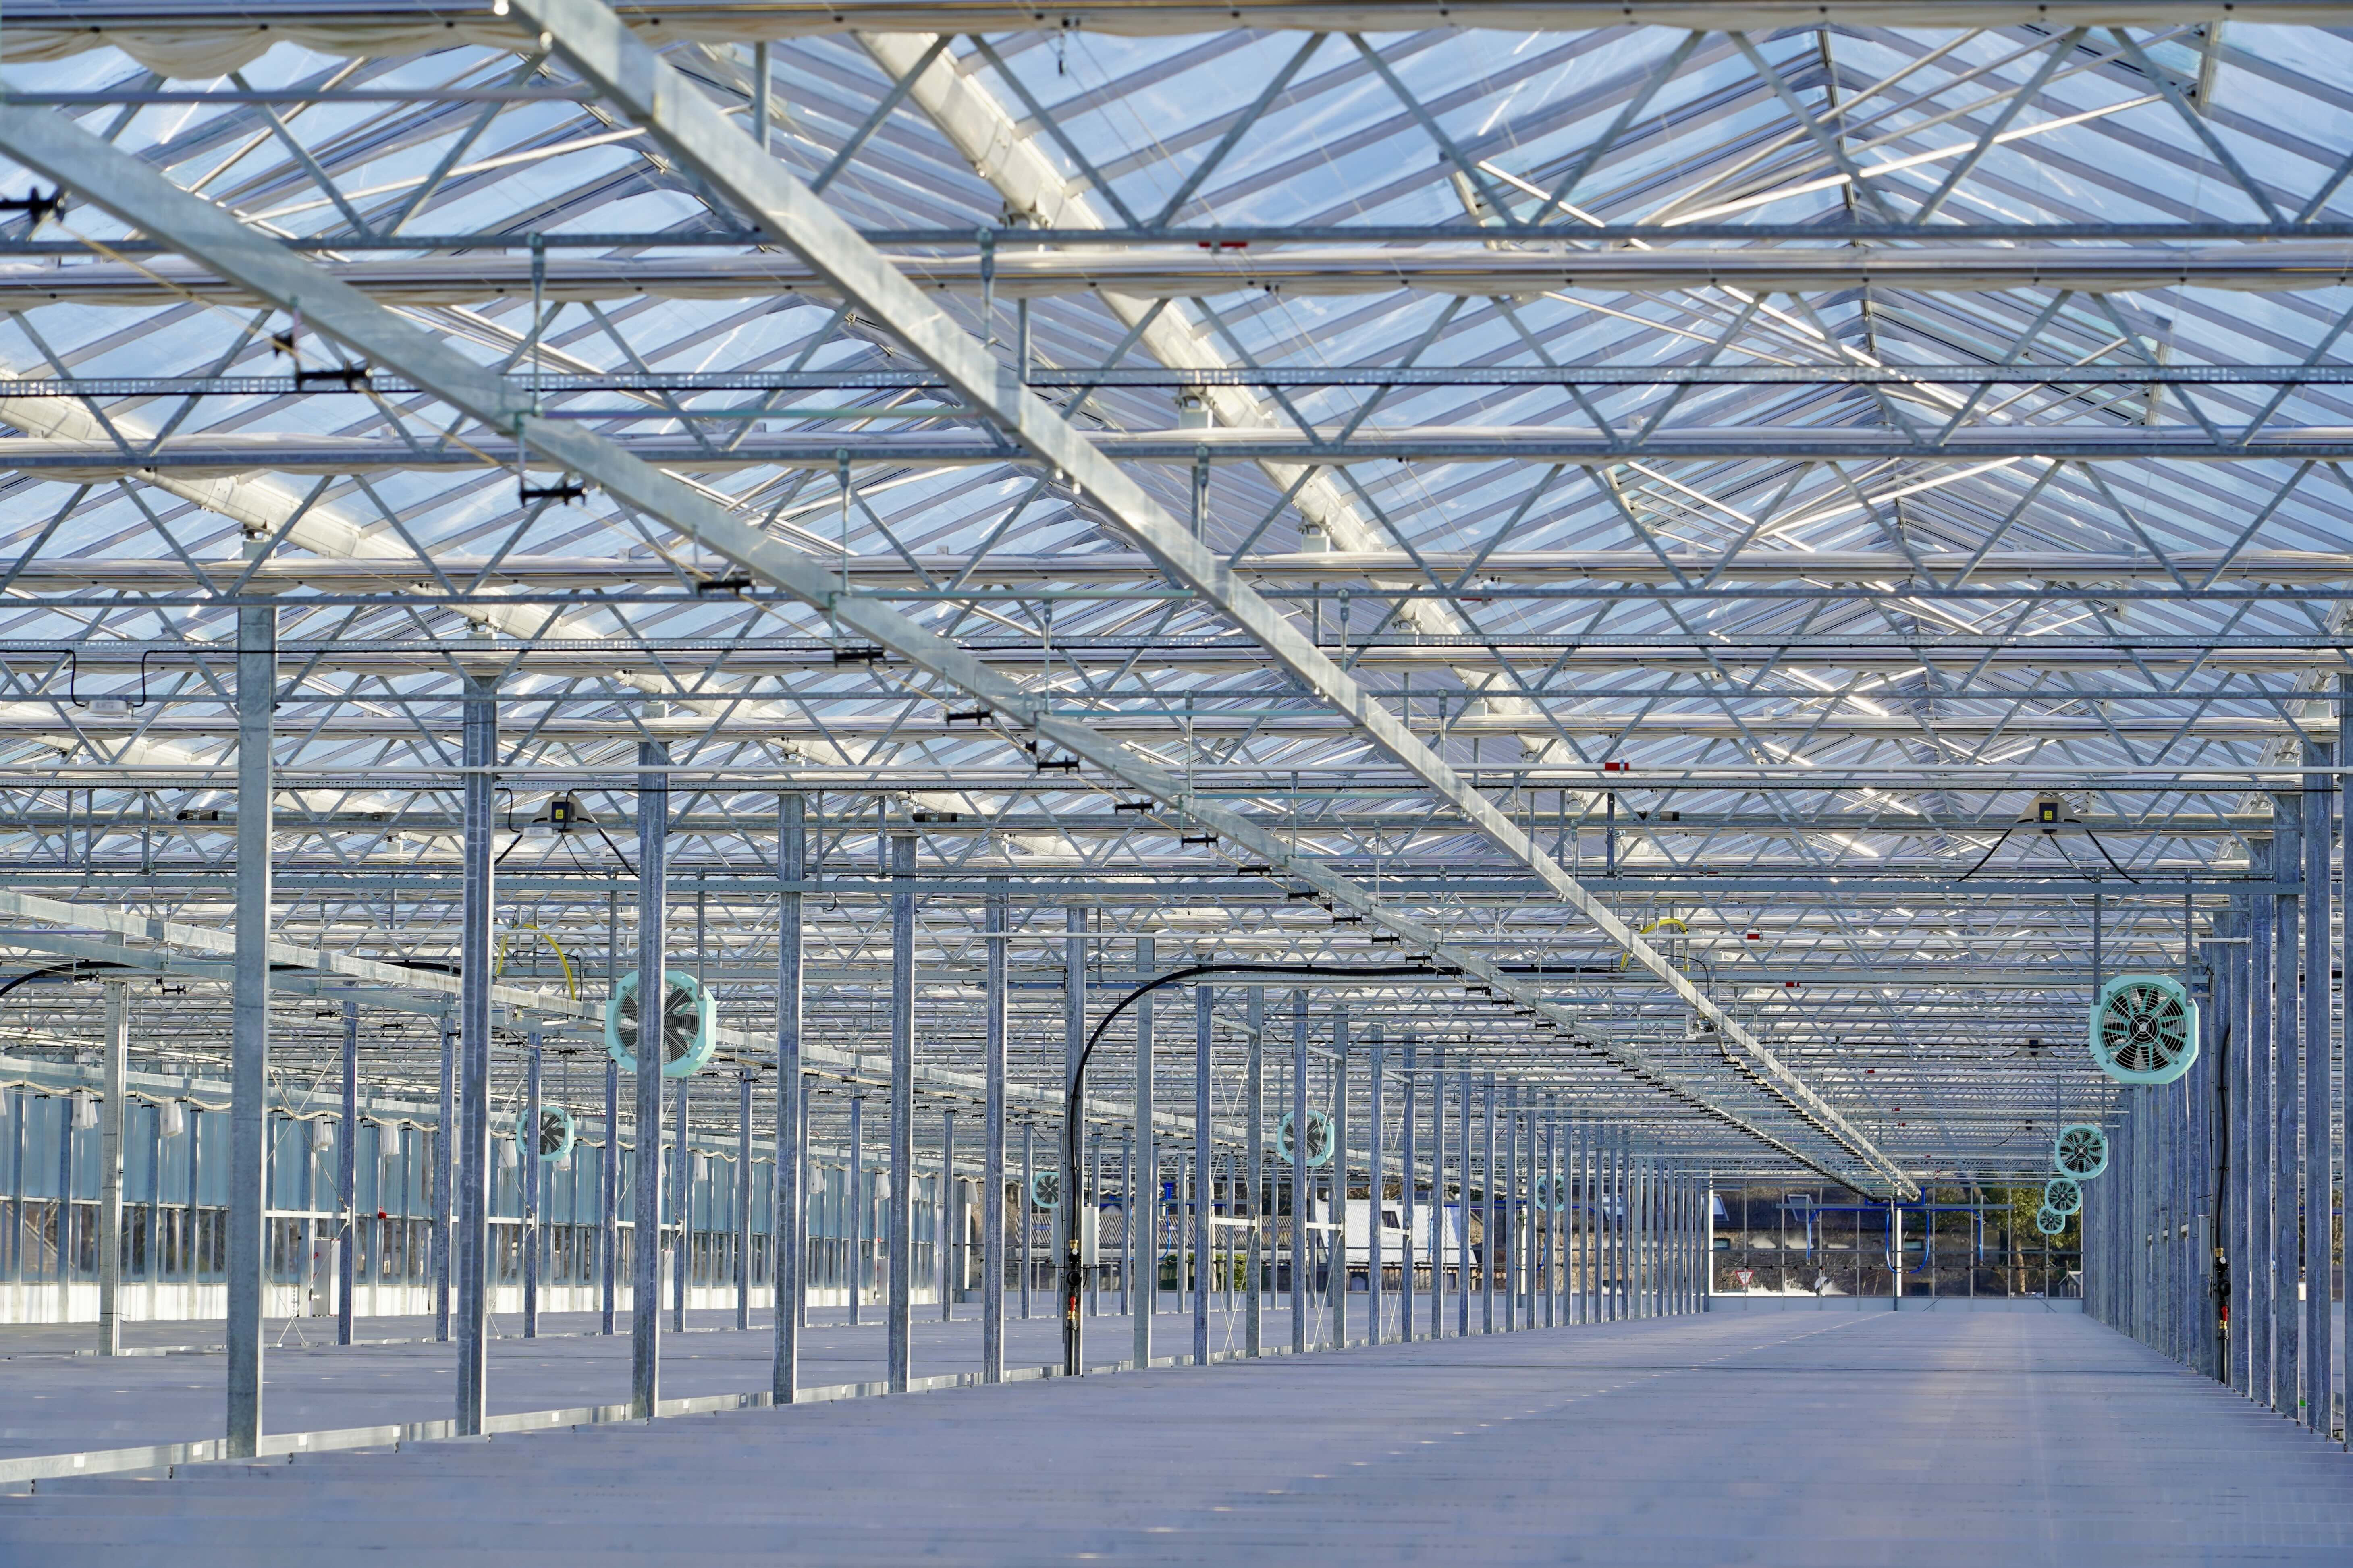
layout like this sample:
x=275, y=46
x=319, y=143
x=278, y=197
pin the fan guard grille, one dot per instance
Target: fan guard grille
x=2082, y=1151
x=2061, y=1195
x=1319, y=1138
x=2145, y=1029
x=555, y=1132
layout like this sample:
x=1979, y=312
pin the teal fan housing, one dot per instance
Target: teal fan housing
x=1045, y=1189
x=2049, y=1222
x=2143, y=1029
x=557, y=1131
x=1319, y=1138
x=2062, y=1196
x=690, y=1025
x=2082, y=1151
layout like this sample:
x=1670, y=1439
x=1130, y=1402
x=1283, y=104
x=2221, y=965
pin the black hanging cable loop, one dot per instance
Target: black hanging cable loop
x=1988, y=855
x=2111, y=859
x=1074, y=1094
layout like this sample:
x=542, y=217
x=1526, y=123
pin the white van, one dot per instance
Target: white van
x=1357, y=1216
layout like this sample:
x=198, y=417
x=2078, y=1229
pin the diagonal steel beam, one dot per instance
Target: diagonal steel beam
x=727, y=159
x=1006, y=157
x=693, y=130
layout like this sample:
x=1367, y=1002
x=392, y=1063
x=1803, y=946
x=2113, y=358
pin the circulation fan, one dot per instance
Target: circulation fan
x=1045, y=1189
x=2049, y=1222
x=690, y=1025
x=1552, y=1193
x=2143, y=1029
x=2082, y=1151
x=1319, y=1138
x=556, y=1131
x=2062, y=1196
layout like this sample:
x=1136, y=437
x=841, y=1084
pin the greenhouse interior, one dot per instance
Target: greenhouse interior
x=1570, y=772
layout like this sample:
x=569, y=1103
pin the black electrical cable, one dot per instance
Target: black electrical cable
x=1988, y=855
x=615, y=848
x=66, y=970
x=1073, y=1277
x=2111, y=859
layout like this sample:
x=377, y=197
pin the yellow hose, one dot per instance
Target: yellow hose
x=571, y=981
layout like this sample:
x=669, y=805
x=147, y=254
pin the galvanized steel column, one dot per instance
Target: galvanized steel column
x=1514, y=1228
x=944, y=1218
x=744, y=1202
x=1649, y=1267
x=1490, y=1227
x=1578, y=1200
x=2227, y=1142
x=901, y=1222
x=110, y=1170
x=444, y=1183
x=2344, y=1084
x=1028, y=1211
x=862, y=1207
x=1556, y=1184
x=1462, y=1284
x=1671, y=1255
x=992, y=1155
x=653, y=991
x=1131, y=1204
x=1409, y=1207
x=1530, y=1230
x=681, y=1200
x=1254, y=1159
x=1336, y=1240
x=246, y=1259
x=1621, y=1224
x=608, y=1202
x=1067, y=1252
x=1144, y=1192
x=2287, y=1109
x=789, y=1227
x=2231, y=971
x=1204, y=1000
x=1665, y=1183
x=478, y=718
x=1599, y=1255
x=346, y=1183
x=1375, y=1154
x=1609, y=1273
x=1299, y=1202
x=1628, y=1265
x=2320, y=1383
x=527, y=1166
x=2259, y=1272
x=1437, y=1222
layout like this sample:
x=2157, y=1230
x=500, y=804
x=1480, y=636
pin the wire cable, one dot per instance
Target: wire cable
x=2111, y=859
x=1073, y=1094
x=1988, y=854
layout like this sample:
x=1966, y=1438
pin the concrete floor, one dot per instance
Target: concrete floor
x=1847, y=1438
x=53, y=1401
